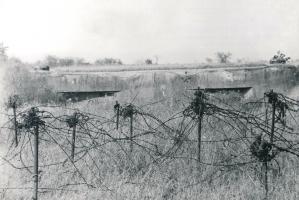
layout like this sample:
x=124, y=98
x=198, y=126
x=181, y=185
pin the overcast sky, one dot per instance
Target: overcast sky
x=182, y=31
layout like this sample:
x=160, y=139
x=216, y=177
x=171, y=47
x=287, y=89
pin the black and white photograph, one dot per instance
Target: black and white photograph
x=149, y=99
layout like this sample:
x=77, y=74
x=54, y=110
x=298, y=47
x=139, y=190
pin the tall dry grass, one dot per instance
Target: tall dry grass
x=115, y=177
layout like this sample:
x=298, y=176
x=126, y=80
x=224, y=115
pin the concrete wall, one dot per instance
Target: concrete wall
x=165, y=83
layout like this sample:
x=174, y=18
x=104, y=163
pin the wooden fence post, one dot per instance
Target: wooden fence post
x=131, y=133
x=73, y=142
x=200, y=111
x=72, y=122
x=273, y=121
x=36, y=135
x=199, y=136
x=128, y=112
x=116, y=108
x=14, y=108
x=266, y=179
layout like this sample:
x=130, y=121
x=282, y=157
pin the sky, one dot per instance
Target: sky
x=176, y=31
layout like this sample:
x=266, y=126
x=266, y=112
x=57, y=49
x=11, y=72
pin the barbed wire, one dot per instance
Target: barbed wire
x=244, y=134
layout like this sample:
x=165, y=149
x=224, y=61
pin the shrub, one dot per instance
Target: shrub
x=30, y=86
x=108, y=61
x=66, y=61
x=209, y=60
x=279, y=58
x=51, y=61
x=223, y=57
x=3, y=50
x=148, y=61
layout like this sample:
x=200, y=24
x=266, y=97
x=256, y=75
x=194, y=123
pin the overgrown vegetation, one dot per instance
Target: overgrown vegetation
x=148, y=61
x=108, y=61
x=29, y=86
x=3, y=55
x=159, y=159
x=54, y=61
x=223, y=57
x=279, y=58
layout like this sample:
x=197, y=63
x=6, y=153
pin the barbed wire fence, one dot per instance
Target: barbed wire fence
x=225, y=136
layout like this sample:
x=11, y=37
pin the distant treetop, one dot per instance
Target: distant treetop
x=3, y=50
x=108, y=61
x=148, y=61
x=223, y=57
x=279, y=58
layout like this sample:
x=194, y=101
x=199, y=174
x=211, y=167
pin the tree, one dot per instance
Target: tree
x=156, y=59
x=66, y=62
x=279, y=58
x=3, y=55
x=52, y=61
x=209, y=60
x=108, y=61
x=223, y=57
x=81, y=61
x=240, y=61
x=16, y=61
x=148, y=61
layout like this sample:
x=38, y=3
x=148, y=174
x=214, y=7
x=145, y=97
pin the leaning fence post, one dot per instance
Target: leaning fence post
x=272, y=99
x=13, y=103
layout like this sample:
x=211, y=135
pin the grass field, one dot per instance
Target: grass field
x=163, y=163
